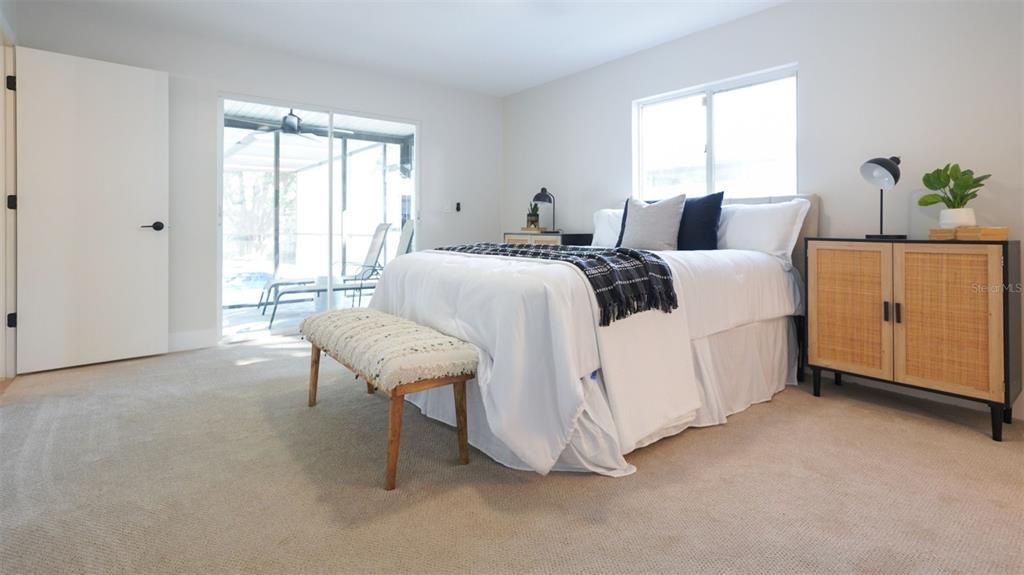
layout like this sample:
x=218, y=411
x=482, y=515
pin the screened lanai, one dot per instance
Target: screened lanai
x=291, y=178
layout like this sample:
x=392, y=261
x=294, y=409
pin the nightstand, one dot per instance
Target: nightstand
x=548, y=238
x=942, y=316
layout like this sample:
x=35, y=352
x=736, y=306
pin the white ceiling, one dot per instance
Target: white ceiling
x=489, y=46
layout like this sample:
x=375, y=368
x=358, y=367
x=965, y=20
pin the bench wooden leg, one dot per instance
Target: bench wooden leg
x=394, y=433
x=314, y=374
x=369, y=388
x=459, y=391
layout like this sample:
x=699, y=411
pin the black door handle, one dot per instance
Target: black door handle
x=885, y=311
x=156, y=226
x=899, y=313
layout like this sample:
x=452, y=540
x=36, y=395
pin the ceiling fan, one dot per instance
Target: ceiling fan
x=292, y=124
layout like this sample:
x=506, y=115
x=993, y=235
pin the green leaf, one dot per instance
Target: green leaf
x=954, y=171
x=981, y=179
x=929, y=181
x=930, y=200
x=964, y=182
x=943, y=179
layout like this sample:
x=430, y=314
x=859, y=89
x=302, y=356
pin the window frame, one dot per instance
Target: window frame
x=709, y=90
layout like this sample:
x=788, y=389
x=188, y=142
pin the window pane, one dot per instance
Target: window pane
x=673, y=135
x=755, y=139
x=364, y=208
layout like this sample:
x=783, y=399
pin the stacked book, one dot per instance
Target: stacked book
x=942, y=234
x=970, y=233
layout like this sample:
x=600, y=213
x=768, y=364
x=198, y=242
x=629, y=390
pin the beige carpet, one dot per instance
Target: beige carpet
x=210, y=462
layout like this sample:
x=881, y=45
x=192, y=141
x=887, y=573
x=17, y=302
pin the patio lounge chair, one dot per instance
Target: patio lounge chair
x=273, y=285
x=405, y=240
x=365, y=278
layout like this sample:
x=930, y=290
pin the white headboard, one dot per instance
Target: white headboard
x=809, y=229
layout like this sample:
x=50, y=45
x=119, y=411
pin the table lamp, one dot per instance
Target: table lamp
x=884, y=173
x=546, y=197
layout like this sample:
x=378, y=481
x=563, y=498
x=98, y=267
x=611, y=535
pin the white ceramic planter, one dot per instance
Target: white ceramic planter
x=957, y=217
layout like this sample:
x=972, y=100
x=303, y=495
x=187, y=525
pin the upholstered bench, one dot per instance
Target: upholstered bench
x=396, y=356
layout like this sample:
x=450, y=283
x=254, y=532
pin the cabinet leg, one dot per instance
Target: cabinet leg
x=1008, y=415
x=998, y=412
x=837, y=377
x=801, y=347
x=816, y=379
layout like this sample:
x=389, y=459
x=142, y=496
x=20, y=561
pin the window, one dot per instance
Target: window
x=304, y=192
x=737, y=136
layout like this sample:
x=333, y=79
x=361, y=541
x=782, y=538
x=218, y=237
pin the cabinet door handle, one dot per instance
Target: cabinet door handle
x=885, y=311
x=899, y=314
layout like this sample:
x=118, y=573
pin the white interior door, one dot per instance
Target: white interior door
x=92, y=170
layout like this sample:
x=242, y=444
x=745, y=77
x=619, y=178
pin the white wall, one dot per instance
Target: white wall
x=931, y=82
x=7, y=20
x=874, y=79
x=458, y=142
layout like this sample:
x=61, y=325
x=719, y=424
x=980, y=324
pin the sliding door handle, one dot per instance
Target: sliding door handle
x=899, y=313
x=885, y=311
x=155, y=226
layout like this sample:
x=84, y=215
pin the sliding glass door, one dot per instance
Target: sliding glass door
x=304, y=195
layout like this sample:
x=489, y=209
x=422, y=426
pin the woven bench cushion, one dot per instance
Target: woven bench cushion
x=386, y=349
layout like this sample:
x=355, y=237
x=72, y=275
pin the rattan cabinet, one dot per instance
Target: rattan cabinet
x=939, y=316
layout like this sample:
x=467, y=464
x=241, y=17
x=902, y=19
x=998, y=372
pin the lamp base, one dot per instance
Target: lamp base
x=885, y=236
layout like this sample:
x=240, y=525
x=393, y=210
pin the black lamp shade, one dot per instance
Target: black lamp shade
x=884, y=173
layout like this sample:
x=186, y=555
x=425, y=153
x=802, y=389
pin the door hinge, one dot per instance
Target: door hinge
x=12, y=83
x=12, y=202
x=12, y=320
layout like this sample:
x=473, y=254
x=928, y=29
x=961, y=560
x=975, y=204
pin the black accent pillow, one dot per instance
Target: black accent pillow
x=698, y=229
x=622, y=226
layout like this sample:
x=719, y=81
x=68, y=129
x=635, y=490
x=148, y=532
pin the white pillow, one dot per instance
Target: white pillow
x=607, y=225
x=652, y=226
x=769, y=228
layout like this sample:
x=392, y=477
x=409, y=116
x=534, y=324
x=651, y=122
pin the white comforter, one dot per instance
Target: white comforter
x=535, y=323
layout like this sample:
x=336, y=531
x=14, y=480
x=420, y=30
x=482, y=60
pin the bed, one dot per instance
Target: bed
x=556, y=392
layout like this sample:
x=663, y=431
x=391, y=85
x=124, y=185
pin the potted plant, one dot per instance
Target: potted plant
x=954, y=188
x=533, y=216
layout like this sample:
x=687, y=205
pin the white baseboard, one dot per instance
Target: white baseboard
x=197, y=339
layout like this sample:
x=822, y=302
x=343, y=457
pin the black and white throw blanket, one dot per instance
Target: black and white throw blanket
x=625, y=281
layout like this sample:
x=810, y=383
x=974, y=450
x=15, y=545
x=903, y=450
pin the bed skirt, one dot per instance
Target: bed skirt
x=735, y=369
